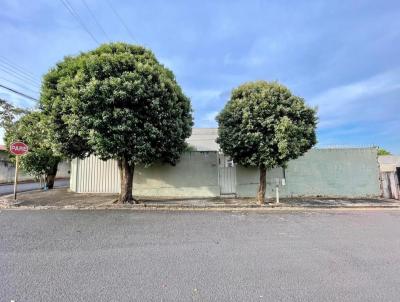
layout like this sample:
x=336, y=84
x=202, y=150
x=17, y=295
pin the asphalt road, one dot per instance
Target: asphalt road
x=199, y=256
x=29, y=186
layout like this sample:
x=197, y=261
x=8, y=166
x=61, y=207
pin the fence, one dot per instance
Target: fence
x=390, y=176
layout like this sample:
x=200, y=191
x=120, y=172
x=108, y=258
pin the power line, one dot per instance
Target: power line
x=19, y=76
x=72, y=11
x=10, y=68
x=19, y=68
x=95, y=19
x=15, y=83
x=120, y=19
x=19, y=93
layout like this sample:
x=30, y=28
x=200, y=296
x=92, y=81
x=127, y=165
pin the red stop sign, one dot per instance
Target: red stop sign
x=18, y=148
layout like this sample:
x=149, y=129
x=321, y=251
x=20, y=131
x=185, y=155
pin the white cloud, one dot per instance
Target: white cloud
x=211, y=116
x=203, y=98
x=176, y=64
x=342, y=104
x=208, y=120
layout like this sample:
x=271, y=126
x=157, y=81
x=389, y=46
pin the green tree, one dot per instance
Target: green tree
x=117, y=102
x=34, y=130
x=263, y=125
x=9, y=114
x=382, y=151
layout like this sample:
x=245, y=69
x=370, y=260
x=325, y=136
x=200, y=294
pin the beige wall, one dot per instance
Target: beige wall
x=193, y=176
x=388, y=163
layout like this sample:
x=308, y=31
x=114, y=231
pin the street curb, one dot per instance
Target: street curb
x=252, y=208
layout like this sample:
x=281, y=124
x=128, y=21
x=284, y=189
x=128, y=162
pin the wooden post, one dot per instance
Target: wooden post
x=16, y=177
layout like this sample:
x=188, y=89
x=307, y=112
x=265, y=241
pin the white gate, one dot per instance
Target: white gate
x=227, y=175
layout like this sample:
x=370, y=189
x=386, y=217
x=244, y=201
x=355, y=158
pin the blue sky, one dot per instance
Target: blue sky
x=343, y=56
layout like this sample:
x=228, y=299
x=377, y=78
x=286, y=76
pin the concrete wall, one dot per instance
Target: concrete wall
x=7, y=171
x=388, y=163
x=320, y=172
x=195, y=175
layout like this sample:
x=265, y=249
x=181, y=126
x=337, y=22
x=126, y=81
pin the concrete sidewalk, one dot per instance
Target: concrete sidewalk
x=62, y=198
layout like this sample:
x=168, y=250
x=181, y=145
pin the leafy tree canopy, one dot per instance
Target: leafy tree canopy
x=34, y=129
x=9, y=113
x=117, y=102
x=265, y=125
x=382, y=151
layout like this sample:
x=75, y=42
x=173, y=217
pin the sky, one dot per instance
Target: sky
x=341, y=56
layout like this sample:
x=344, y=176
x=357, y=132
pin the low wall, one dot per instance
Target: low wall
x=320, y=172
x=389, y=163
x=195, y=175
x=7, y=172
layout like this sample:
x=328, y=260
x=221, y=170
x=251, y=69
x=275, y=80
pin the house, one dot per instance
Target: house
x=204, y=139
x=206, y=172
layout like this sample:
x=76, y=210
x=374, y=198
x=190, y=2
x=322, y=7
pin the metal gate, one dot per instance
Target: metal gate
x=390, y=185
x=227, y=175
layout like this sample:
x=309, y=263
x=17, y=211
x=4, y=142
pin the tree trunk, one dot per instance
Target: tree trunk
x=126, y=172
x=262, y=186
x=50, y=181
x=51, y=176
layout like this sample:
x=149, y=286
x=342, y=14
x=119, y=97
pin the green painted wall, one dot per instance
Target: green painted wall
x=320, y=172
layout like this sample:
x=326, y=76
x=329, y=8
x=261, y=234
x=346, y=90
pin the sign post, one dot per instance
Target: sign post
x=18, y=149
x=16, y=176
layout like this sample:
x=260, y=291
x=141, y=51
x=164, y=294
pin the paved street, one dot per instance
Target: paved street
x=199, y=256
x=22, y=187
